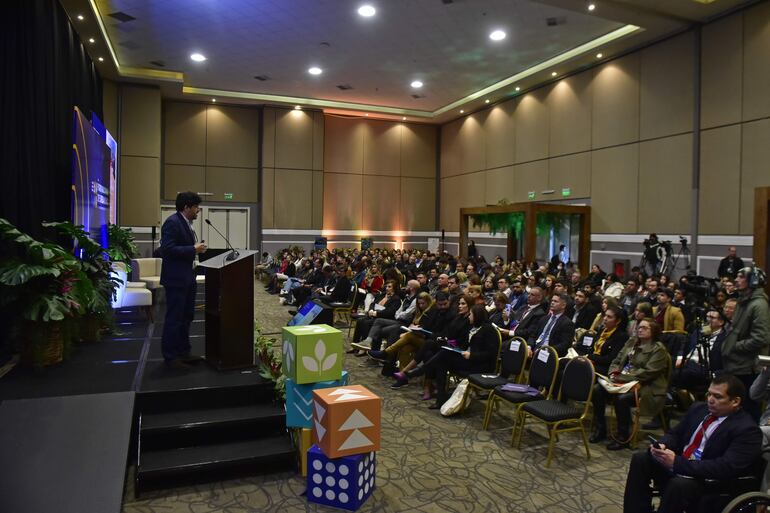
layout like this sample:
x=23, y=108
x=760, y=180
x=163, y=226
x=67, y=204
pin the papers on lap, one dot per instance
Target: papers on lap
x=418, y=331
x=455, y=349
x=615, y=388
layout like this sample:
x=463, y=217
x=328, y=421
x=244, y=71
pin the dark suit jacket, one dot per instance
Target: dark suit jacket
x=483, y=347
x=562, y=334
x=177, y=246
x=586, y=316
x=391, y=305
x=608, y=352
x=341, y=292
x=730, y=451
x=528, y=325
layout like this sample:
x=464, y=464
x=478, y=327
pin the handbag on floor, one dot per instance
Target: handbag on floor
x=455, y=403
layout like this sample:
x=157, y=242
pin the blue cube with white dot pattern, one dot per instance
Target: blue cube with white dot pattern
x=340, y=482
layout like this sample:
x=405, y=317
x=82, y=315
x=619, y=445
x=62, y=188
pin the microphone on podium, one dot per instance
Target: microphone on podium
x=233, y=252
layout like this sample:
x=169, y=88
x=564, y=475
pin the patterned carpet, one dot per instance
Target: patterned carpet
x=427, y=463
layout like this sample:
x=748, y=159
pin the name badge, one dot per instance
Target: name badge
x=696, y=455
x=543, y=356
x=587, y=341
x=515, y=345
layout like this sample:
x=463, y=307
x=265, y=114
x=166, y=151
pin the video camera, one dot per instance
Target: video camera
x=699, y=286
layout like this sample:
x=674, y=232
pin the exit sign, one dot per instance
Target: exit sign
x=228, y=195
x=566, y=191
x=531, y=195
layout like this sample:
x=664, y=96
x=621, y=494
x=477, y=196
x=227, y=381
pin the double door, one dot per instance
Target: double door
x=233, y=222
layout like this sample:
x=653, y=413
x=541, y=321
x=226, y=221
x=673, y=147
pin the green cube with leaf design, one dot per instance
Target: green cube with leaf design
x=312, y=353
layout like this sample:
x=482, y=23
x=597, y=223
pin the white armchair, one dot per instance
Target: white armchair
x=147, y=270
x=130, y=293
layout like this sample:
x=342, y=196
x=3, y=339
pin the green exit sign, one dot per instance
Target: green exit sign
x=566, y=191
x=531, y=195
x=228, y=195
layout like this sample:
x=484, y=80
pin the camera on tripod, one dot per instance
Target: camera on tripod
x=699, y=286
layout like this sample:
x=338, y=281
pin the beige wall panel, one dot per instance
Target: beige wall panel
x=667, y=87
x=268, y=195
x=756, y=72
x=754, y=168
x=531, y=119
x=532, y=176
x=318, y=140
x=110, y=106
x=573, y=171
x=232, y=136
x=382, y=148
x=318, y=200
x=343, y=145
x=615, y=113
x=268, y=137
x=140, y=121
x=500, y=135
x=179, y=178
x=450, y=134
x=499, y=185
x=418, y=204
x=614, y=191
x=418, y=151
x=139, y=191
x=184, y=133
x=293, y=199
x=569, y=112
x=665, y=175
x=471, y=143
x=458, y=192
x=382, y=205
x=241, y=182
x=293, y=139
x=343, y=200
x=722, y=71
x=720, y=157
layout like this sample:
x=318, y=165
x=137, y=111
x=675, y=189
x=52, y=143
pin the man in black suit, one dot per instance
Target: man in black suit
x=555, y=329
x=714, y=440
x=585, y=312
x=527, y=317
x=179, y=245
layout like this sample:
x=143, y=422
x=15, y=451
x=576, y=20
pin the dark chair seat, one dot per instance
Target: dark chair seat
x=486, y=383
x=553, y=411
x=517, y=397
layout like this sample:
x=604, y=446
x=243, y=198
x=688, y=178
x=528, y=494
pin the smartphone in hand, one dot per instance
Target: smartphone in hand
x=653, y=441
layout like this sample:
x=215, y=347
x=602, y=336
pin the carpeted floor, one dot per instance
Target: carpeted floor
x=427, y=463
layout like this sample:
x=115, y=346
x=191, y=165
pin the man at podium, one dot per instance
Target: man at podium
x=179, y=245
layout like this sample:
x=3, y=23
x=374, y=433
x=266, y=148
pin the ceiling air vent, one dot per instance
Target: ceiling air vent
x=121, y=16
x=261, y=78
x=554, y=21
x=159, y=64
x=344, y=87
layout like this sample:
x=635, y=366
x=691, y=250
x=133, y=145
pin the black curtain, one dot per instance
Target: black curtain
x=44, y=73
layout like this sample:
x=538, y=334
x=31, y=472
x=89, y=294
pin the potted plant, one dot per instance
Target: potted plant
x=120, y=245
x=37, y=283
x=269, y=361
x=96, y=293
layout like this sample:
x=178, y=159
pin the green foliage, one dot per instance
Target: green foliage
x=120, y=245
x=269, y=361
x=500, y=223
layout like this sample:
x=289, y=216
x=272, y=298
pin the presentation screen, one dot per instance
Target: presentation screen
x=91, y=178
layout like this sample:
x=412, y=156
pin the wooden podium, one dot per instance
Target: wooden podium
x=230, y=310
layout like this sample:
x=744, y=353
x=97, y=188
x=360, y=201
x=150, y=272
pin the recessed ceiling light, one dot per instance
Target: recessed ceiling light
x=101, y=59
x=486, y=101
x=80, y=17
x=518, y=88
x=462, y=111
x=214, y=100
x=315, y=70
x=367, y=11
x=497, y=35
x=198, y=57
x=416, y=84
x=591, y=6
x=553, y=73
x=91, y=40
x=297, y=107
x=367, y=115
x=403, y=119
x=599, y=55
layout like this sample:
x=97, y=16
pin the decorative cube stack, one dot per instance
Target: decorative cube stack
x=312, y=359
x=344, y=420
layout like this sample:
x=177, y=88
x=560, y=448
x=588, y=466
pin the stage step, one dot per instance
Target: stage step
x=274, y=453
x=209, y=427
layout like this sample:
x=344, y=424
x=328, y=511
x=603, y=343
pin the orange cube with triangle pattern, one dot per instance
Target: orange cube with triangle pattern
x=346, y=420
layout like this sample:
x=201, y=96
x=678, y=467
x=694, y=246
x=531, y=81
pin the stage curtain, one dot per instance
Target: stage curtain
x=44, y=72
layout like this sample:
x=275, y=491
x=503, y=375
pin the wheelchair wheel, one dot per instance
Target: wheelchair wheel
x=751, y=502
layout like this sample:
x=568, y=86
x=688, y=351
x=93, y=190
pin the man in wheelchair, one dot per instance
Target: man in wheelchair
x=715, y=445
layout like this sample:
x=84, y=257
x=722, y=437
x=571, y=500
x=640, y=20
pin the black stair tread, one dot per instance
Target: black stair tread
x=205, y=416
x=201, y=456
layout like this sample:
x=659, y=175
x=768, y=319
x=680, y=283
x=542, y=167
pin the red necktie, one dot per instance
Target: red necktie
x=698, y=437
